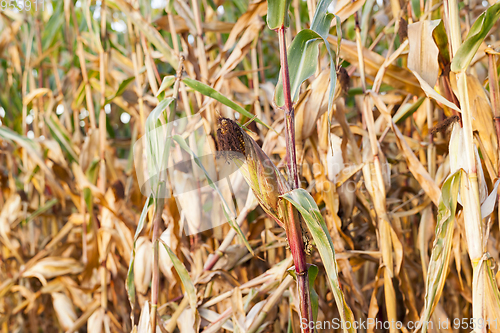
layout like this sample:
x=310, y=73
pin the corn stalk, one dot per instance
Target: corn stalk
x=292, y=226
x=469, y=187
x=472, y=207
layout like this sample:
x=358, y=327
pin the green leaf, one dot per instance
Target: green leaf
x=33, y=149
x=303, y=55
x=142, y=218
x=42, y=209
x=441, y=250
x=312, y=272
x=169, y=8
x=211, y=92
x=165, y=84
x=277, y=13
x=212, y=5
x=492, y=299
x=322, y=21
x=407, y=110
x=158, y=144
x=307, y=207
x=91, y=173
x=129, y=285
x=302, y=62
x=441, y=39
x=184, y=275
x=121, y=89
x=50, y=30
x=10, y=135
x=225, y=206
x=59, y=135
x=338, y=26
x=415, y=4
x=118, y=47
x=87, y=197
x=475, y=37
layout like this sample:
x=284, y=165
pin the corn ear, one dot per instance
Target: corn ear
x=259, y=171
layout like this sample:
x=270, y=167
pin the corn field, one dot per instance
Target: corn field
x=249, y=166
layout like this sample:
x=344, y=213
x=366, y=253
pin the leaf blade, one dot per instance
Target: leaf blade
x=277, y=13
x=211, y=92
x=307, y=207
x=475, y=37
x=440, y=257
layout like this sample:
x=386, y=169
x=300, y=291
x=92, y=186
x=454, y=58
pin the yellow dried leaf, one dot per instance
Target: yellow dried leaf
x=423, y=54
x=53, y=266
x=143, y=264
x=64, y=310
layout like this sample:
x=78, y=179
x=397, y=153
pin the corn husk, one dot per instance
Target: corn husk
x=259, y=171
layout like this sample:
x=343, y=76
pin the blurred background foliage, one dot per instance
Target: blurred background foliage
x=78, y=80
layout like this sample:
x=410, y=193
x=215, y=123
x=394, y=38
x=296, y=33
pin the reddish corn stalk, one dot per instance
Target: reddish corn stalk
x=292, y=226
x=294, y=234
x=289, y=113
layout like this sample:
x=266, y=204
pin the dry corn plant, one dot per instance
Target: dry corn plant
x=249, y=166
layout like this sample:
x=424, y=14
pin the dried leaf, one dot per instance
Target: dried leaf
x=423, y=55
